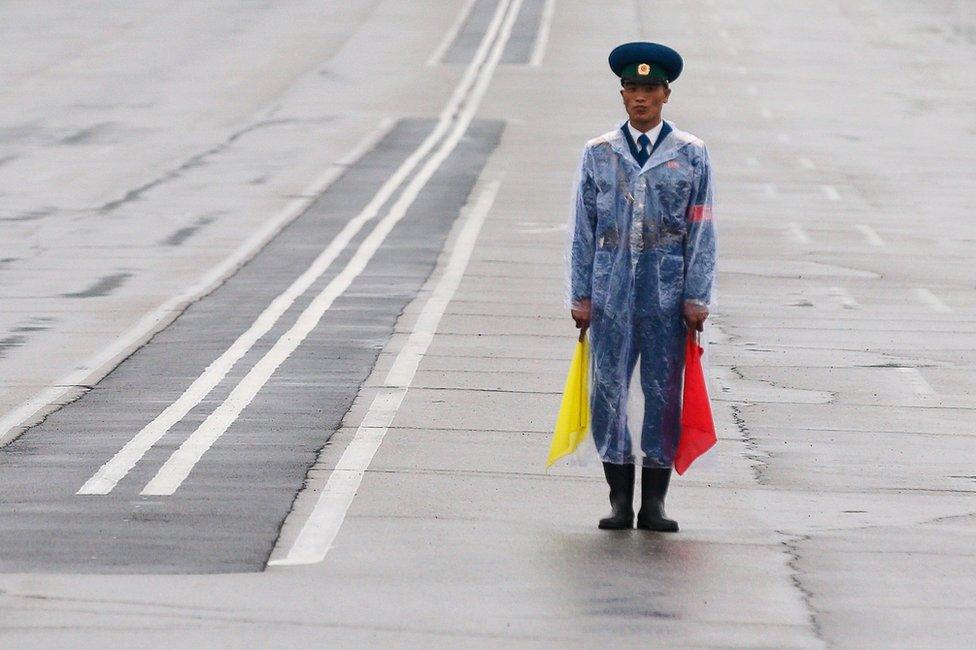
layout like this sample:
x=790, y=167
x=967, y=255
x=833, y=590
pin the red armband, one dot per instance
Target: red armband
x=700, y=213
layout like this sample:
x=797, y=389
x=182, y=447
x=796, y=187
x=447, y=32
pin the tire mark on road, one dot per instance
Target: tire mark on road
x=102, y=287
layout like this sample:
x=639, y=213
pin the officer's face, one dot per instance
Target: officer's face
x=644, y=101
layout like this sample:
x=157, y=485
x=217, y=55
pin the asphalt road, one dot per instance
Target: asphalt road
x=282, y=334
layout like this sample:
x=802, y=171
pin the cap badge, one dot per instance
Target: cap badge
x=643, y=69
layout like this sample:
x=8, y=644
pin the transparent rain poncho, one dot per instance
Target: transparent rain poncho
x=642, y=242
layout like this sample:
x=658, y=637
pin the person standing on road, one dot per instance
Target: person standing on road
x=642, y=262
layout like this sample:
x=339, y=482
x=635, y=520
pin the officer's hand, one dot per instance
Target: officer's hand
x=695, y=315
x=581, y=314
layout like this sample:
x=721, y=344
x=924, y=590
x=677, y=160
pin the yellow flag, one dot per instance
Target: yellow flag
x=574, y=412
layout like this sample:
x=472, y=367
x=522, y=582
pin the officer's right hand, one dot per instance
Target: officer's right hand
x=581, y=314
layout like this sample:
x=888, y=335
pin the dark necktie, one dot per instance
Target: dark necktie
x=643, y=153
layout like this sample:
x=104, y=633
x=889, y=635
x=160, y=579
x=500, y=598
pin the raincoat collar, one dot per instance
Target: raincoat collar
x=665, y=148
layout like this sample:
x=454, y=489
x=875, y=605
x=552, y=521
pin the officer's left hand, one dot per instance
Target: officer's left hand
x=695, y=315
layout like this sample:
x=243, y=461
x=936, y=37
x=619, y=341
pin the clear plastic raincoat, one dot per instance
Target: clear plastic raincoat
x=642, y=243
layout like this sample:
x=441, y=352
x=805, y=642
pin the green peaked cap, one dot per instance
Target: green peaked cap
x=638, y=72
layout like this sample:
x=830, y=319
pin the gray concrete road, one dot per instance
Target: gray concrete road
x=282, y=335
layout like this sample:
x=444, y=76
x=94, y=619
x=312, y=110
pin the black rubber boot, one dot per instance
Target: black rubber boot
x=654, y=487
x=621, y=481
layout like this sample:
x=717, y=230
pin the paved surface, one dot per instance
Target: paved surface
x=838, y=508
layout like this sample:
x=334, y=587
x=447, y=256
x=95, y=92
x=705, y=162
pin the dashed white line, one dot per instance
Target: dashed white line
x=916, y=381
x=830, y=192
x=179, y=465
x=870, y=235
x=931, y=300
x=798, y=234
x=322, y=526
x=540, y=230
x=542, y=37
x=847, y=301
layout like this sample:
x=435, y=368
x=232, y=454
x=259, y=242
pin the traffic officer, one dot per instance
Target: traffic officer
x=642, y=262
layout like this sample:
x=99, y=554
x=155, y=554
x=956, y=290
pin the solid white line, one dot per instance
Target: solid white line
x=932, y=300
x=542, y=37
x=451, y=34
x=917, y=381
x=830, y=192
x=806, y=163
x=320, y=529
x=799, y=235
x=179, y=465
x=95, y=367
x=870, y=235
x=846, y=299
x=405, y=366
x=108, y=476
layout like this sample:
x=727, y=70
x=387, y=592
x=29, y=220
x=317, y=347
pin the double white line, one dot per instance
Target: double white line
x=453, y=121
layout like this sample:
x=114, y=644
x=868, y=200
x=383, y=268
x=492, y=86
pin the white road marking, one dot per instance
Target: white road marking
x=544, y=229
x=542, y=37
x=799, y=235
x=752, y=161
x=752, y=89
x=932, y=300
x=770, y=190
x=179, y=465
x=830, y=192
x=322, y=526
x=108, y=476
x=784, y=138
x=12, y=423
x=405, y=365
x=846, y=299
x=435, y=57
x=806, y=163
x=766, y=113
x=870, y=235
x=916, y=380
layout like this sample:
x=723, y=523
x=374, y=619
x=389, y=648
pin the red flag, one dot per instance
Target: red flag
x=697, y=426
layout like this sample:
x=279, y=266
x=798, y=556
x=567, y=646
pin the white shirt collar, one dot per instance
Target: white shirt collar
x=651, y=135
